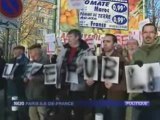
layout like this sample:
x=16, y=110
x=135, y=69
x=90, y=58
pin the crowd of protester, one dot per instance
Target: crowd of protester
x=70, y=60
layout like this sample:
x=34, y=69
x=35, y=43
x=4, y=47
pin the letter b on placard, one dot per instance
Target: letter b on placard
x=110, y=69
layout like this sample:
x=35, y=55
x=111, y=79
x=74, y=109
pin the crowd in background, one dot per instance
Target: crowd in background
x=70, y=59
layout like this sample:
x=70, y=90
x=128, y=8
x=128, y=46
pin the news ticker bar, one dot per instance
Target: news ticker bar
x=89, y=103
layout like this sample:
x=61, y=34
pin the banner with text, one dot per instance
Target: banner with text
x=104, y=14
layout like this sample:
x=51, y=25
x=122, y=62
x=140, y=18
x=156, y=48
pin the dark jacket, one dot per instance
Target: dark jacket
x=117, y=91
x=36, y=89
x=17, y=86
x=147, y=54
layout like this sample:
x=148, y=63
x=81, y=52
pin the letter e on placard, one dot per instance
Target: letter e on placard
x=90, y=68
x=110, y=69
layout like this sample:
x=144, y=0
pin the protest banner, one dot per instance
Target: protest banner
x=143, y=79
x=110, y=69
x=69, y=19
x=9, y=70
x=111, y=14
x=50, y=74
x=90, y=68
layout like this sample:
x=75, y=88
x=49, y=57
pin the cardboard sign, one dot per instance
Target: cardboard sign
x=51, y=48
x=50, y=74
x=9, y=70
x=110, y=69
x=32, y=68
x=90, y=68
x=104, y=14
x=143, y=79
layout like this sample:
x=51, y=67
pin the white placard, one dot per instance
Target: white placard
x=32, y=68
x=90, y=68
x=51, y=48
x=50, y=38
x=104, y=14
x=50, y=74
x=59, y=42
x=110, y=69
x=76, y=4
x=9, y=70
x=145, y=78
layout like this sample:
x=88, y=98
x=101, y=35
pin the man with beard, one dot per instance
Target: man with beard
x=147, y=53
x=108, y=90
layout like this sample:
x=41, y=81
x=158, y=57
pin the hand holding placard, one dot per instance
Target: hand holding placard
x=90, y=82
x=108, y=84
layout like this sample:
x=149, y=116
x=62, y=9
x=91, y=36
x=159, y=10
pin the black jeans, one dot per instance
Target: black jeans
x=80, y=113
x=114, y=113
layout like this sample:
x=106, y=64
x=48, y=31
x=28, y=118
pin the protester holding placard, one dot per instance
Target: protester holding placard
x=114, y=91
x=147, y=53
x=16, y=86
x=70, y=71
x=36, y=89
